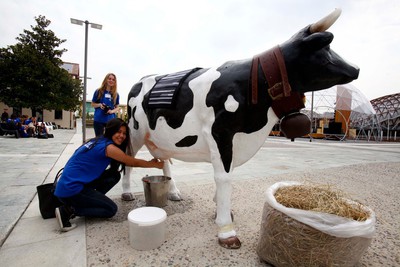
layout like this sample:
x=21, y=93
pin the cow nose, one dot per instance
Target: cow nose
x=357, y=72
x=354, y=71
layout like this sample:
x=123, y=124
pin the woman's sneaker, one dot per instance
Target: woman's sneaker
x=63, y=219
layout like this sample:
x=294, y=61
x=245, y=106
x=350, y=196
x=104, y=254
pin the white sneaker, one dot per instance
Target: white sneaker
x=63, y=220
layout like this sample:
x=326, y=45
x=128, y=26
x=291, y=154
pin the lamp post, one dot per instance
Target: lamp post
x=95, y=26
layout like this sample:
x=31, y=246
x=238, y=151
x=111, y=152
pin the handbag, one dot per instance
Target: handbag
x=48, y=202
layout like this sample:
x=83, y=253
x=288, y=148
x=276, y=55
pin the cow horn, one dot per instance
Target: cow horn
x=324, y=23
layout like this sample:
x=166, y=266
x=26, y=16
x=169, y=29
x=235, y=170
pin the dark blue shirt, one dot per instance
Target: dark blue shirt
x=99, y=114
x=87, y=164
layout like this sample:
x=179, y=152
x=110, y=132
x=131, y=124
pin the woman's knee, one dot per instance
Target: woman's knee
x=111, y=211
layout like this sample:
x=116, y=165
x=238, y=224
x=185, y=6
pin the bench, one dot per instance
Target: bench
x=5, y=130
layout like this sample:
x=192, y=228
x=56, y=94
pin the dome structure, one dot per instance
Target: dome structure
x=388, y=111
x=345, y=105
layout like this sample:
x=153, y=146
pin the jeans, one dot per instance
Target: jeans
x=92, y=201
x=98, y=128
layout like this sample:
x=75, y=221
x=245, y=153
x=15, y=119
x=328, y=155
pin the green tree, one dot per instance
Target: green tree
x=31, y=75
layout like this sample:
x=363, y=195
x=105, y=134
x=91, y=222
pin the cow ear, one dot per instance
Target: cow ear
x=318, y=40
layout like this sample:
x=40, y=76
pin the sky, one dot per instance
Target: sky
x=140, y=37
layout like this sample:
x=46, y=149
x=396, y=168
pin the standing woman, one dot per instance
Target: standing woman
x=86, y=179
x=105, y=102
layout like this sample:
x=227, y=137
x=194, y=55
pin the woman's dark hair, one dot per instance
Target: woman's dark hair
x=113, y=127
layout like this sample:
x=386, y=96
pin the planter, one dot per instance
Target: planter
x=298, y=237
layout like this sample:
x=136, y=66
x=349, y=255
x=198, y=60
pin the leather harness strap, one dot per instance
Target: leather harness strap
x=273, y=66
x=284, y=101
x=254, y=80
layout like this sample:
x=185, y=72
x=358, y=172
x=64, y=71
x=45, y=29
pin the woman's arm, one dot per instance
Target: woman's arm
x=96, y=105
x=115, y=110
x=114, y=152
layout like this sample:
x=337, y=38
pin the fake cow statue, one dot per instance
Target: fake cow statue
x=223, y=115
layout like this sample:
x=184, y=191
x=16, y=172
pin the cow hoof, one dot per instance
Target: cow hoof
x=127, y=197
x=230, y=243
x=174, y=197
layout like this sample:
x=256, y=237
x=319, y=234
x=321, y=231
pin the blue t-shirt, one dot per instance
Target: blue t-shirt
x=87, y=164
x=99, y=114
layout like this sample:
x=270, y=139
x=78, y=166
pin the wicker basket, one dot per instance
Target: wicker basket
x=293, y=237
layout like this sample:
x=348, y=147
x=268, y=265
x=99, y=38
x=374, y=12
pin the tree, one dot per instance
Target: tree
x=31, y=75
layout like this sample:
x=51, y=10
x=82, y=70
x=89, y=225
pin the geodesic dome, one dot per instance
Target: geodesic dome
x=343, y=98
x=388, y=111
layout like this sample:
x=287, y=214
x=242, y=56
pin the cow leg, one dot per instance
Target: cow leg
x=126, y=185
x=126, y=182
x=226, y=233
x=173, y=193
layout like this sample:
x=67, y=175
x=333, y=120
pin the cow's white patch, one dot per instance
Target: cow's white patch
x=245, y=146
x=231, y=104
x=137, y=135
x=198, y=121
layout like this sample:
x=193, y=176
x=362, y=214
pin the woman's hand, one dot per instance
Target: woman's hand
x=159, y=164
x=114, y=152
x=115, y=110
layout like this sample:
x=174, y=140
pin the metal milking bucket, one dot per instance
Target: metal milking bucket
x=156, y=190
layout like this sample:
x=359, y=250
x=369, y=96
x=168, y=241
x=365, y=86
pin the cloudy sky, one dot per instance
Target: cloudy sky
x=159, y=36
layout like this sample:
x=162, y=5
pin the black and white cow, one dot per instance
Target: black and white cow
x=223, y=115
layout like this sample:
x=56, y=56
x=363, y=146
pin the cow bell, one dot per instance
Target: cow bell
x=295, y=125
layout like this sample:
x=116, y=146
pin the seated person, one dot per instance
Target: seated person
x=22, y=130
x=31, y=124
x=15, y=119
x=12, y=122
x=42, y=131
x=4, y=116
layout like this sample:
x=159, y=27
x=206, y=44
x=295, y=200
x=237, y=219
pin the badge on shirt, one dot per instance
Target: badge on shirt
x=107, y=95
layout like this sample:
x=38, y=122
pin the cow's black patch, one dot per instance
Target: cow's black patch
x=134, y=92
x=184, y=103
x=135, y=122
x=234, y=80
x=187, y=141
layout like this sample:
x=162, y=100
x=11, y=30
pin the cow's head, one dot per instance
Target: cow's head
x=311, y=64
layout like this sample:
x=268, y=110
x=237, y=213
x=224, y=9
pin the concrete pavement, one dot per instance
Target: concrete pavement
x=28, y=240
x=24, y=164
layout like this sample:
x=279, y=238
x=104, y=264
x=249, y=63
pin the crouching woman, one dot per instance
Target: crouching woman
x=86, y=178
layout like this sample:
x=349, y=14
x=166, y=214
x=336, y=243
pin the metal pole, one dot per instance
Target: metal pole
x=84, y=85
x=96, y=26
x=312, y=114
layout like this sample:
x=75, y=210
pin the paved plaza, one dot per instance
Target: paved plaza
x=28, y=240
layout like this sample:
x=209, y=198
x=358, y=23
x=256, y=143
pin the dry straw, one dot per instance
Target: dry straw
x=285, y=241
x=322, y=198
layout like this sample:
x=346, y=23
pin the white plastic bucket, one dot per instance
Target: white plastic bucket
x=147, y=227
